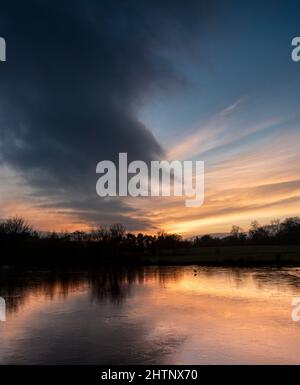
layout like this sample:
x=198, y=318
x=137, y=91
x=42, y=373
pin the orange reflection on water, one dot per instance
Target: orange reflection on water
x=180, y=315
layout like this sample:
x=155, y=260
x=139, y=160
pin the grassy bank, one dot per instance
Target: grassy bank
x=231, y=255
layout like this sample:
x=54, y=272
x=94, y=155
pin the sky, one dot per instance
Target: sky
x=198, y=80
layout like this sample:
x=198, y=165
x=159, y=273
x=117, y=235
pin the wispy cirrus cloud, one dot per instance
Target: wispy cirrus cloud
x=220, y=131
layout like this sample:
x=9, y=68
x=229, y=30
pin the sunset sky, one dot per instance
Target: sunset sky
x=196, y=80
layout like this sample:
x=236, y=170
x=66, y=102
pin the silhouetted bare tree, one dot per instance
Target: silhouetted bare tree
x=15, y=226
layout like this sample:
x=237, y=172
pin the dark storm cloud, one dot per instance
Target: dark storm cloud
x=75, y=76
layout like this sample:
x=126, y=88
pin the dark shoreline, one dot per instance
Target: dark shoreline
x=205, y=256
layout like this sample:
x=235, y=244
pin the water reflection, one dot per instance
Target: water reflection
x=150, y=315
x=113, y=283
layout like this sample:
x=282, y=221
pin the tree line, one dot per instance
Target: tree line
x=17, y=237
